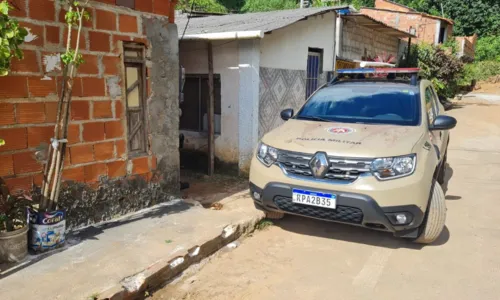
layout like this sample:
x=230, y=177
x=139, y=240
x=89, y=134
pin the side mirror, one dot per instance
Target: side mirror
x=443, y=123
x=286, y=114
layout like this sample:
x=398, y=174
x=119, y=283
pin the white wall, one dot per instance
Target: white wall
x=193, y=57
x=286, y=48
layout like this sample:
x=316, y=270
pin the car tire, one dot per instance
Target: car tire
x=435, y=217
x=274, y=215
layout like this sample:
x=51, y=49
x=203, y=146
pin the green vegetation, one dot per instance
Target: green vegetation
x=263, y=224
x=478, y=71
x=11, y=36
x=488, y=48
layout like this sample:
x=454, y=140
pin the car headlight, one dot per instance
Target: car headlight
x=394, y=167
x=267, y=155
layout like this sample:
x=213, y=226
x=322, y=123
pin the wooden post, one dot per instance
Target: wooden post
x=210, y=111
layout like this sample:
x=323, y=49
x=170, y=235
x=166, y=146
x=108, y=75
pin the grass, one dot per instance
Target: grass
x=263, y=224
x=94, y=296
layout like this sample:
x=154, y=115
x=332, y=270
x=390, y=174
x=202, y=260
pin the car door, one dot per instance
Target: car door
x=432, y=112
x=443, y=134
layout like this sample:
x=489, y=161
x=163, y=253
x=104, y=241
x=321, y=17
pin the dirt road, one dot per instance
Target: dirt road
x=299, y=258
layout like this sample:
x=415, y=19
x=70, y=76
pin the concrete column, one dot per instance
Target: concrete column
x=338, y=35
x=438, y=27
x=248, y=98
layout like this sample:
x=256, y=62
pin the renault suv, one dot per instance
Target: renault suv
x=363, y=150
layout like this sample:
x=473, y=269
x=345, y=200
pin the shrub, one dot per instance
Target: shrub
x=488, y=48
x=481, y=70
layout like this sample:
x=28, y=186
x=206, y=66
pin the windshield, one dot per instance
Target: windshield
x=377, y=103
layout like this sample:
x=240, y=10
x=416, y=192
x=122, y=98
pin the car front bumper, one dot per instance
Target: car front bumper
x=352, y=208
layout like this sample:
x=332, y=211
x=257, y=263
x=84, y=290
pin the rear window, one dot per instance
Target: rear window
x=370, y=103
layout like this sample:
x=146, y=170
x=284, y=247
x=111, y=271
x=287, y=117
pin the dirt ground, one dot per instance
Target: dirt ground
x=299, y=258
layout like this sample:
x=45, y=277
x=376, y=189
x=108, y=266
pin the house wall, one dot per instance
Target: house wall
x=194, y=58
x=358, y=41
x=97, y=156
x=283, y=63
x=391, y=6
x=426, y=28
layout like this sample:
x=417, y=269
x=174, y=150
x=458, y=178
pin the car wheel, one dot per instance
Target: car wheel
x=435, y=217
x=274, y=215
x=442, y=172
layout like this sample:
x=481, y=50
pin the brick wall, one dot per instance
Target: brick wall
x=425, y=26
x=384, y=4
x=357, y=39
x=28, y=96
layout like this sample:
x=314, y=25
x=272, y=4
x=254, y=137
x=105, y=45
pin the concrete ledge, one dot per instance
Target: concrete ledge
x=161, y=272
x=126, y=257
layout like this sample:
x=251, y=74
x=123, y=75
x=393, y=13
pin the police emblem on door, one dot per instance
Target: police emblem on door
x=319, y=165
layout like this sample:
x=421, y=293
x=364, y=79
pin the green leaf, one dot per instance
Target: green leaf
x=2, y=142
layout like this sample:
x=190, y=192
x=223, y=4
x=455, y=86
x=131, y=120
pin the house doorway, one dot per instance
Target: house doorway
x=314, y=69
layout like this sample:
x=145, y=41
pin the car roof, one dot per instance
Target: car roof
x=403, y=84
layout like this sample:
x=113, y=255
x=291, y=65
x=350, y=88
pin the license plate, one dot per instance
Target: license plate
x=314, y=198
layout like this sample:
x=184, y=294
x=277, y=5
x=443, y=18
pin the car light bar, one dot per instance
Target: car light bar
x=379, y=71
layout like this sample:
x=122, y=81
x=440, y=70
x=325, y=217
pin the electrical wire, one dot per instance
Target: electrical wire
x=189, y=18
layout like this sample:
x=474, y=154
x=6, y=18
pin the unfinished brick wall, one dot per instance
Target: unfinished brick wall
x=425, y=26
x=98, y=129
x=359, y=41
x=384, y=4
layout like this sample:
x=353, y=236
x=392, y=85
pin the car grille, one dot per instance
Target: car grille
x=341, y=213
x=341, y=169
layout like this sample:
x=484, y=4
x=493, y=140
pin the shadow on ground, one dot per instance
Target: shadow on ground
x=92, y=232
x=353, y=234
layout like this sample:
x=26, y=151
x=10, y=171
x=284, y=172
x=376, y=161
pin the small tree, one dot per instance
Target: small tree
x=11, y=36
x=71, y=59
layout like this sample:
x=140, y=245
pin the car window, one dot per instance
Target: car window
x=436, y=101
x=395, y=104
x=429, y=105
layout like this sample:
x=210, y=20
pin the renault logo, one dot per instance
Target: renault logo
x=319, y=164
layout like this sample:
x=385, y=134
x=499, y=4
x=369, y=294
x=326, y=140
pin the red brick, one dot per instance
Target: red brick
x=43, y=10
x=26, y=163
x=28, y=64
x=81, y=154
x=112, y=65
x=51, y=112
x=77, y=87
x=7, y=114
x=67, y=157
x=93, y=132
x=102, y=109
x=29, y=113
x=19, y=9
x=15, y=139
x=94, y=172
x=41, y=88
x=39, y=135
x=6, y=165
x=79, y=110
x=141, y=165
x=105, y=20
x=18, y=87
x=161, y=8
x=141, y=41
x=114, y=129
x=145, y=5
x=35, y=30
x=73, y=134
x=107, y=1
x=104, y=151
x=128, y=23
x=121, y=149
x=74, y=174
x=52, y=34
x=74, y=34
x=90, y=66
x=93, y=87
x=119, y=109
x=38, y=179
x=99, y=41
x=117, y=169
x=19, y=185
x=118, y=38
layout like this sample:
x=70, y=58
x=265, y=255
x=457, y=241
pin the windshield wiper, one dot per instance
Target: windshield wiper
x=313, y=118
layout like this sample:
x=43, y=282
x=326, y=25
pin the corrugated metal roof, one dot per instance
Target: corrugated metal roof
x=264, y=21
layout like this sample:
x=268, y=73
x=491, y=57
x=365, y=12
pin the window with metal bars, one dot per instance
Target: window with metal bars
x=194, y=108
x=136, y=95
